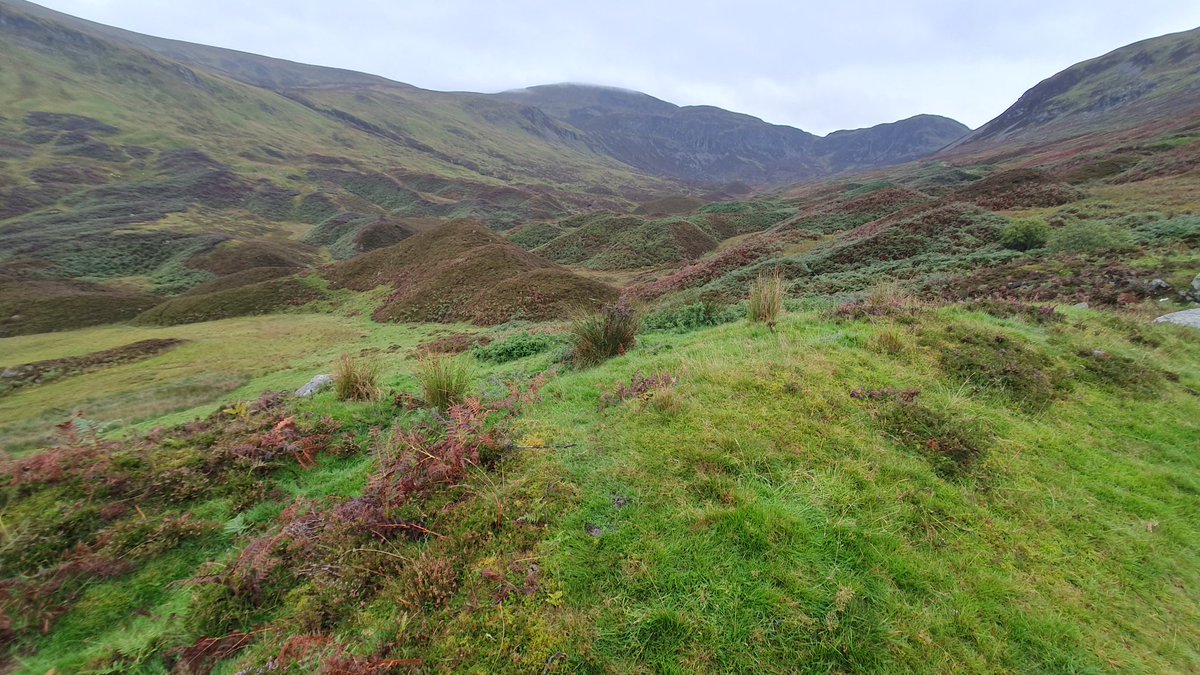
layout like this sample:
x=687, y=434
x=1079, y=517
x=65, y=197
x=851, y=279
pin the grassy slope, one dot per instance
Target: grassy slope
x=771, y=523
x=228, y=360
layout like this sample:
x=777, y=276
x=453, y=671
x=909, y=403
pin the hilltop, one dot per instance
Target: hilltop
x=705, y=143
x=1147, y=88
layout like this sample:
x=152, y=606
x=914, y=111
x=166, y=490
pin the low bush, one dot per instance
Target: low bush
x=1087, y=236
x=444, y=380
x=953, y=445
x=1025, y=235
x=692, y=317
x=640, y=387
x=517, y=347
x=610, y=332
x=356, y=380
x=1000, y=364
x=1007, y=308
x=887, y=342
x=766, y=298
x=1122, y=373
x=888, y=299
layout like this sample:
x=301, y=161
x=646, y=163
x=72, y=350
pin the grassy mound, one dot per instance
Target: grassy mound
x=264, y=297
x=463, y=272
x=857, y=210
x=533, y=235
x=238, y=256
x=1018, y=188
x=351, y=234
x=43, y=306
x=253, y=275
x=611, y=242
x=951, y=229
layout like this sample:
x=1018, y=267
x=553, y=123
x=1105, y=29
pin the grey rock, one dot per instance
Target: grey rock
x=1082, y=305
x=1158, y=286
x=1188, y=317
x=314, y=385
x=1194, y=293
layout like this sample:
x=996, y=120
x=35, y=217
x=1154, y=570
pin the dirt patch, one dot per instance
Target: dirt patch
x=42, y=372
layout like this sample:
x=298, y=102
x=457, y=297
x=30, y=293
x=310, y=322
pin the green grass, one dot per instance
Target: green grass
x=762, y=519
x=229, y=360
x=776, y=527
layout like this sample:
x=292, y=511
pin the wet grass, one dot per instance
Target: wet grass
x=799, y=500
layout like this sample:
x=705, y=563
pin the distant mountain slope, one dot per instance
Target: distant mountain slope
x=129, y=161
x=705, y=143
x=1153, y=84
x=262, y=71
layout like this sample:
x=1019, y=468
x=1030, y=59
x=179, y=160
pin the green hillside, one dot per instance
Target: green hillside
x=932, y=489
x=563, y=413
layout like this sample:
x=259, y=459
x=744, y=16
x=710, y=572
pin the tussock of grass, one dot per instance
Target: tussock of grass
x=444, y=380
x=766, y=298
x=598, y=337
x=356, y=380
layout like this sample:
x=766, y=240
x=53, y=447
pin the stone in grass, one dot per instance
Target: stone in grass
x=1188, y=317
x=314, y=385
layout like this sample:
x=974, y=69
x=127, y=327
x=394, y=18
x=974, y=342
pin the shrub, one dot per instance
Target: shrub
x=884, y=300
x=356, y=380
x=952, y=445
x=1087, y=236
x=1001, y=364
x=886, y=342
x=1025, y=235
x=640, y=387
x=663, y=401
x=692, y=317
x=610, y=332
x=766, y=298
x=517, y=347
x=444, y=380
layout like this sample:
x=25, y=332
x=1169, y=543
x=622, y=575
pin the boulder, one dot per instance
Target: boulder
x=314, y=385
x=1158, y=286
x=1193, y=293
x=1188, y=317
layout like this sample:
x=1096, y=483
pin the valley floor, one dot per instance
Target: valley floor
x=938, y=490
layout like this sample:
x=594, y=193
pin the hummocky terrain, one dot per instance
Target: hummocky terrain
x=616, y=385
x=126, y=158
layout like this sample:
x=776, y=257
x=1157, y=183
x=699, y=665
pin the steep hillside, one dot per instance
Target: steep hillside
x=1152, y=86
x=704, y=143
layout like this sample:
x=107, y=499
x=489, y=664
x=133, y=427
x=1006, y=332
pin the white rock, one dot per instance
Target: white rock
x=314, y=385
x=1188, y=317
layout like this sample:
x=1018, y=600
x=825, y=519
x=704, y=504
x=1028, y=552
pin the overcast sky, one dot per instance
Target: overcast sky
x=818, y=66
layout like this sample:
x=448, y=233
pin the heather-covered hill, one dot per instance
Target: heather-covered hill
x=461, y=271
